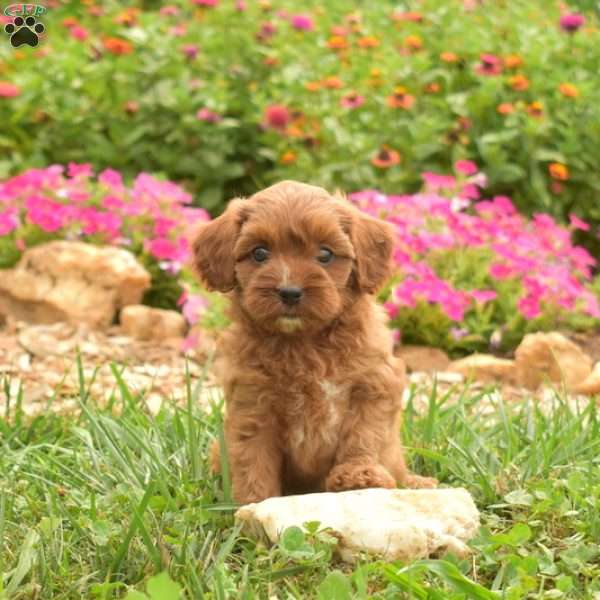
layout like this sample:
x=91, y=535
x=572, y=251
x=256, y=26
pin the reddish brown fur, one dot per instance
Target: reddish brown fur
x=315, y=406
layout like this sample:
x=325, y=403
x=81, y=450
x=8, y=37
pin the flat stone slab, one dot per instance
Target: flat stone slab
x=391, y=524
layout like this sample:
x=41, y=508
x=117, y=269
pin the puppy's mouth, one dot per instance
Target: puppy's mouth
x=289, y=323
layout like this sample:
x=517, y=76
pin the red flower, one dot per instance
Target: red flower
x=277, y=116
x=118, y=46
x=9, y=90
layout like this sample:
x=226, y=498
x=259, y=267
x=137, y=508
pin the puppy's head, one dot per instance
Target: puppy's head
x=294, y=256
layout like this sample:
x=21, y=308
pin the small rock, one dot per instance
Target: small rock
x=72, y=281
x=146, y=323
x=591, y=385
x=485, y=367
x=550, y=356
x=45, y=340
x=392, y=524
x=449, y=377
x=423, y=358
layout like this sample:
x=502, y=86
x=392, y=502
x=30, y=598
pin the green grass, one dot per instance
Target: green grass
x=116, y=503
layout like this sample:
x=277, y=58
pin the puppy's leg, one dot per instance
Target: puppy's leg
x=255, y=456
x=362, y=437
x=369, y=452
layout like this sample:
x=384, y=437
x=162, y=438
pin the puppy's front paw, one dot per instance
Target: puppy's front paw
x=417, y=482
x=357, y=477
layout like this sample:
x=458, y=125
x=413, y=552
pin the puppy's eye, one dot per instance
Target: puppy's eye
x=325, y=256
x=260, y=254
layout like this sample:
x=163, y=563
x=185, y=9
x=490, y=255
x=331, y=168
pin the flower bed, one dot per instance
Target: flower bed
x=360, y=100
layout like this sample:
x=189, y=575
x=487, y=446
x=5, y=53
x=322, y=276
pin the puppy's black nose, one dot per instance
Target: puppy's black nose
x=290, y=295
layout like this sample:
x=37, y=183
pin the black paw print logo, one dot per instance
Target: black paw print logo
x=24, y=31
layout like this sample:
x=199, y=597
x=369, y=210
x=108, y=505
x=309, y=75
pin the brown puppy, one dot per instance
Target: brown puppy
x=312, y=389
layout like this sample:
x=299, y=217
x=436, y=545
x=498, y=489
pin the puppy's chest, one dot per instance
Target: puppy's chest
x=313, y=416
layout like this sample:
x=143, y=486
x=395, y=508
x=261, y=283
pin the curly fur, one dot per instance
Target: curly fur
x=312, y=391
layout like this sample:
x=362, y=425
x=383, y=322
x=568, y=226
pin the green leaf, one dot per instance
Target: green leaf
x=336, y=586
x=519, y=498
x=162, y=587
x=292, y=539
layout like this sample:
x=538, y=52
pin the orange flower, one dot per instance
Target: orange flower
x=287, y=158
x=415, y=17
x=337, y=42
x=506, y=108
x=568, y=90
x=118, y=46
x=518, y=82
x=535, y=109
x=433, y=88
x=400, y=99
x=513, y=61
x=449, y=57
x=332, y=83
x=127, y=17
x=312, y=86
x=558, y=171
x=414, y=42
x=131, y=107
x=69, y=22
x=270, y=61
x=369, y=41
x=385, y=158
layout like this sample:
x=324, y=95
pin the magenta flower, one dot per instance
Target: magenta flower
x=466, y=167
x=267, y=30
x=302, y=22
x=8, y=222
x=79, y=33
x=483, y=296
x=435, y=181
x=169, y=10
x=9, y=90
x=490, y=65
x=83, y=170
x=577, y=223
x=352, y=100
x=209, y=3
x=111, y=178
x=190, y=51
x=571, y=22
x=210, y=116
x=277, y=116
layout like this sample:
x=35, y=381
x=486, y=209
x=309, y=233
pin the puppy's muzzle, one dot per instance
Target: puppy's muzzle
x=290, y=295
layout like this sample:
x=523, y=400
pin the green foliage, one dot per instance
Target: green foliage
x=117, y=503
x=135, y=111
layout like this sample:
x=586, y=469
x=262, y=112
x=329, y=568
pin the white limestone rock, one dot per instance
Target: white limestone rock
x=391, y=524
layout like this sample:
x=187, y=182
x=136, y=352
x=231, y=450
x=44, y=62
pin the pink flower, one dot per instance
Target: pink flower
x=434, y=181
x=193, y=307
x=490, y=65
x=111, y=178
x=352, y=100
x=206, y=2
x=169, y=11
x=79, y=33
x=466, y=167
x=267, y=30
x=483, y=296
x=83, y=170
x=165, y=249
x=571, y=22
x=277, y=116
x=577, y=223
x=178, y=30
x=9, y=90
x=210, y=116
x=241, y=5
x=8, y=222
x=190, y=51
x=302, y=22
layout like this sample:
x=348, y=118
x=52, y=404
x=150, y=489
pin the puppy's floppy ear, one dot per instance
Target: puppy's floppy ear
x=373, y=241
x=213, y=246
